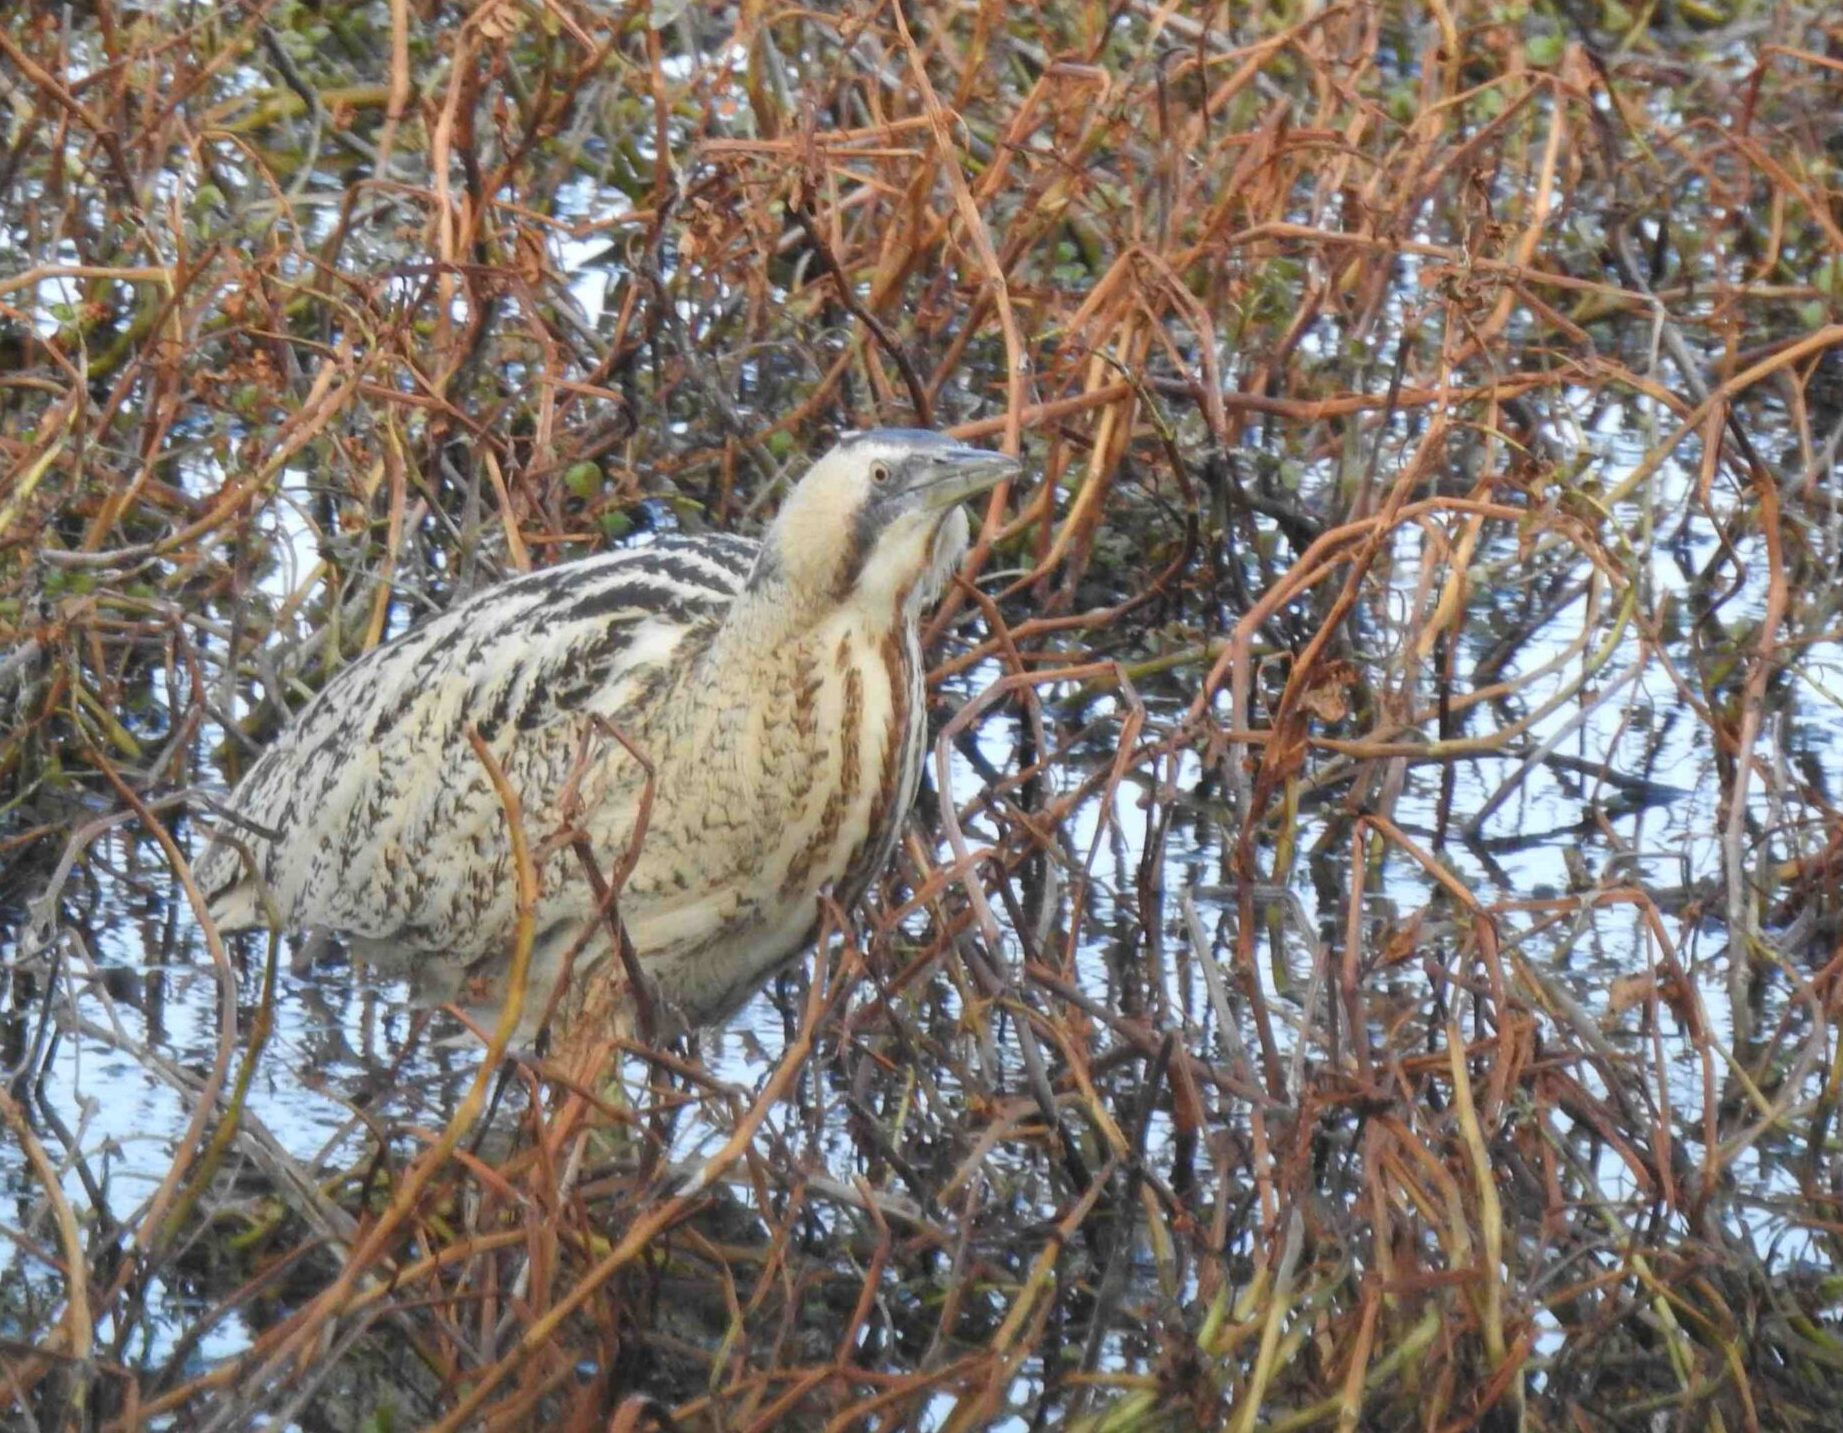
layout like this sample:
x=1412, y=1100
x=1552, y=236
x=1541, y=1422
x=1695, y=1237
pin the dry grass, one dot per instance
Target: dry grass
x=1376, y=967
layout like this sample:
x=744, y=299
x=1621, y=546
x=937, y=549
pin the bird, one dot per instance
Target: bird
x=769, y=693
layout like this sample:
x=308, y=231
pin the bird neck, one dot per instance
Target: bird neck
x=770, y=612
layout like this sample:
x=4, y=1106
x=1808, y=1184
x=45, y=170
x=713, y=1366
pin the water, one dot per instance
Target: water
x=342, y=1065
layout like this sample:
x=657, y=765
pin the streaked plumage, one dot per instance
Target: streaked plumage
x=775, y=687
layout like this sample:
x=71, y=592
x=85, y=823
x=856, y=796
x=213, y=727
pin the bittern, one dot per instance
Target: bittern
x=774, y=688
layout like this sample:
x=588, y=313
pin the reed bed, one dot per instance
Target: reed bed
x=1369, y=956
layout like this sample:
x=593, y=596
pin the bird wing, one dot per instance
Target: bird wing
x=371, y=813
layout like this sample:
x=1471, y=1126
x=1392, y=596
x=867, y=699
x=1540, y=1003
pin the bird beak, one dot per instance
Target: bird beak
x=960, y=472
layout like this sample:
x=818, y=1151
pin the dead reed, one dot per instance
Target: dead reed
x=1371, y=960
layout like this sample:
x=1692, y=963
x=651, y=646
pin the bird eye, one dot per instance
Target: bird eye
x=879, y=473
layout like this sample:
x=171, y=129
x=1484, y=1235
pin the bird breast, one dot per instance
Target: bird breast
x=793, y=774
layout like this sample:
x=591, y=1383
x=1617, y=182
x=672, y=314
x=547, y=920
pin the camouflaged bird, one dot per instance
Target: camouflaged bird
x=775, y=687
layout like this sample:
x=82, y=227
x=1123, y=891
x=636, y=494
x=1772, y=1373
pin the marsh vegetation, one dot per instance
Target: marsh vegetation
x=1368, y=954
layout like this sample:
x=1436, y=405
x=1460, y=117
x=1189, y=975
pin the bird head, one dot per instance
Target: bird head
x=878, y=520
